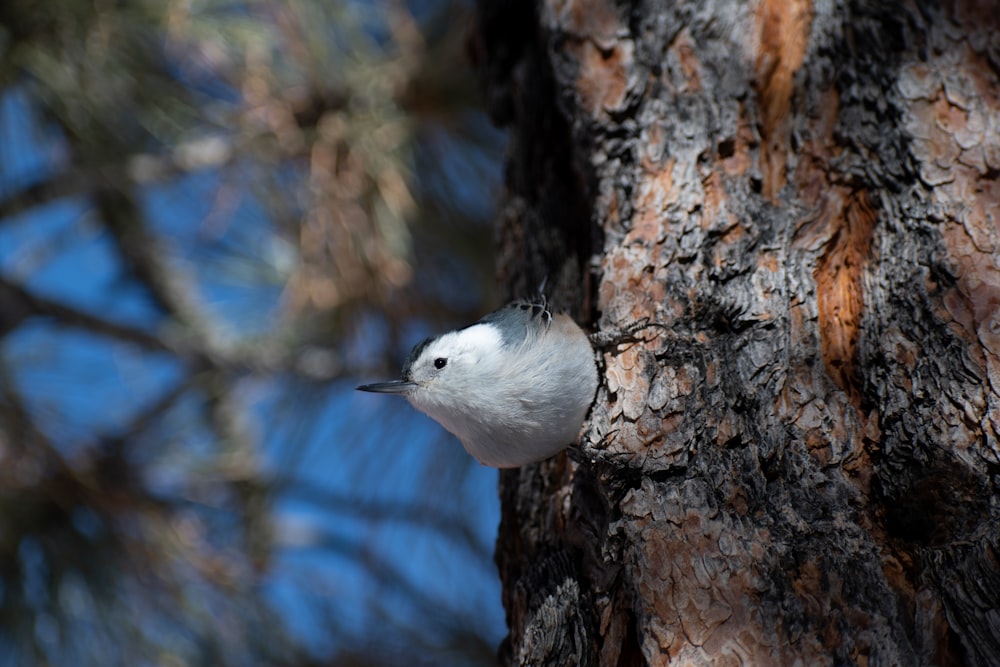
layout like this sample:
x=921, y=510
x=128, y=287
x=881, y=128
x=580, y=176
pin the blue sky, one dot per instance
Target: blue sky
x=350, y=463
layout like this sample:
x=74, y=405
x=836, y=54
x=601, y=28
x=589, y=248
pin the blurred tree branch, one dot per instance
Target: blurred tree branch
x=18, y=304
x=335, y=142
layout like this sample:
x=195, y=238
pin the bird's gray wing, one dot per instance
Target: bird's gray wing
x=517, y=318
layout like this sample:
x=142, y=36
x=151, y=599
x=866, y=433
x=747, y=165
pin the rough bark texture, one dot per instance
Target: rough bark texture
x=804, y=468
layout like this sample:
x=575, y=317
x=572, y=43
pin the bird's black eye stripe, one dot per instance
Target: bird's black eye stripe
x=440, y=363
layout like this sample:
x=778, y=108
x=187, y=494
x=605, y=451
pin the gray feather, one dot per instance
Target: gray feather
x=516, y=318
x=414, y=354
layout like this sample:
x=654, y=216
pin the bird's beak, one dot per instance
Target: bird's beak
x=394, y=387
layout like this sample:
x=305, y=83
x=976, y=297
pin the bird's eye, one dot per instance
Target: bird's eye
x=440, y=363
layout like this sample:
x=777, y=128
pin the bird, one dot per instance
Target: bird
x=514, y=387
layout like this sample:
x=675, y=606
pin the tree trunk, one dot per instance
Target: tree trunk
x=803, y=466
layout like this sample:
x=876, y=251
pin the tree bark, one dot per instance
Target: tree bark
x=803, y=466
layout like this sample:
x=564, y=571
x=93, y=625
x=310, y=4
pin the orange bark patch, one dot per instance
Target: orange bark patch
x=696, y=594
x=840, y=294
x=715, y=195
x=596, y=41
x=597, y=21
x=683, y=47
x=655, y=193
x=783, y=27
x=602, y=80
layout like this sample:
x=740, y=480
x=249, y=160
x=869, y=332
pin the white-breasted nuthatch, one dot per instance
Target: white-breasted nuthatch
x=514, y=387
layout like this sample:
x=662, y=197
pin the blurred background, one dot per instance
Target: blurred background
x=217, y=218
